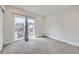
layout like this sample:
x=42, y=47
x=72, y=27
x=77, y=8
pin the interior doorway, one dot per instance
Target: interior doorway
x=19, y=33
x=31, y=28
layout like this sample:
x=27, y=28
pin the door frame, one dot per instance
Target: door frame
x=2, y=34
x=26, y=25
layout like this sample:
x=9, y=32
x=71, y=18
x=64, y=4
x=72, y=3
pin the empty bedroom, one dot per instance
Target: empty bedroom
x=39, y=29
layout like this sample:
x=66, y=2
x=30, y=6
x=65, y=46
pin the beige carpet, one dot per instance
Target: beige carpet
x=40, y=46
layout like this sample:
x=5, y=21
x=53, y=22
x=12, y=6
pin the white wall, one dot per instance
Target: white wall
x=39, y=26
x=64, y=25
x=9, y=23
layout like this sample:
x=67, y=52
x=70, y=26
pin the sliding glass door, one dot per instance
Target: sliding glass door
x=24, y=28
x=19, y=28
x=31, y=28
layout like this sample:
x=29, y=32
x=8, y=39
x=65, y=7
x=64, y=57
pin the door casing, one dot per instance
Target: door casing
x=1, y=29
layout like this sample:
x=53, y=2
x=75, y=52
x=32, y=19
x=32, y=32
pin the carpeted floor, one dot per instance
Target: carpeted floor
x=40, y=46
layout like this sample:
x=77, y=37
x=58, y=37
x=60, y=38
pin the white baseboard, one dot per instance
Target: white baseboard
x=65, y=41
x=11, y=42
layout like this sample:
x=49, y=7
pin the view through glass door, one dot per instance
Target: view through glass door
x=19, y=27
x=31, y=28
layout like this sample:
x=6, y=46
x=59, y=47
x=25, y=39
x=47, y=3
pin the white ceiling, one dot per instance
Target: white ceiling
x=43, y=10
